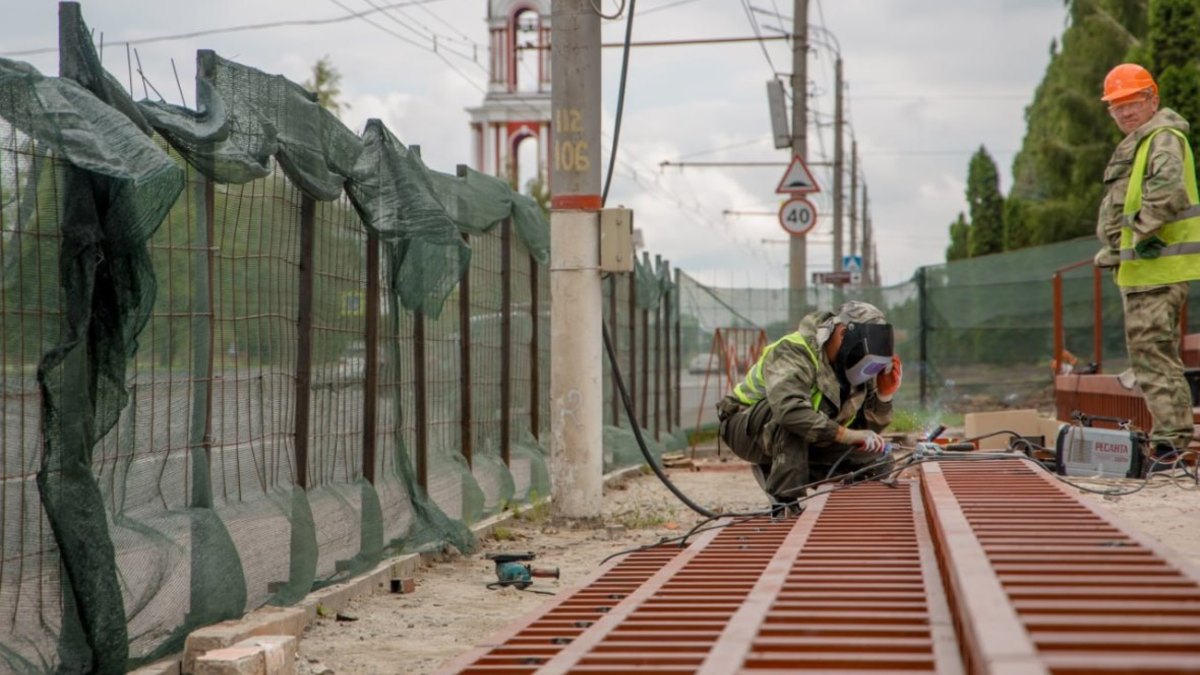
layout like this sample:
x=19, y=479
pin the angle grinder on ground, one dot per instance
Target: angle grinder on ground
x=513, y=569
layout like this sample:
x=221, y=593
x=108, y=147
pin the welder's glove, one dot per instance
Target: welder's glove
x=888, y=382
x=871, y=441
x=1149, y=248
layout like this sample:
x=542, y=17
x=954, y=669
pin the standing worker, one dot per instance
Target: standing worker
x=816, y=396
x=1149, y=224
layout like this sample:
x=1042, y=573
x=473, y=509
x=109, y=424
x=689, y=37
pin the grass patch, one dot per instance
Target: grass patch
x=703, y=434
x=501, y=533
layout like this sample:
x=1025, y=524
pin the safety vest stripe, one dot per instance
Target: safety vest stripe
x=1186, y=248
x=753, y=388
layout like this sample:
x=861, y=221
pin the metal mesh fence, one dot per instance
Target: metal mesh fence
x=255, y=382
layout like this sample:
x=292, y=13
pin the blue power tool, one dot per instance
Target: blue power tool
x=513, y=569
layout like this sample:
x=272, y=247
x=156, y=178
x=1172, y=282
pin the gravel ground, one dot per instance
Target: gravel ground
x=452, y=610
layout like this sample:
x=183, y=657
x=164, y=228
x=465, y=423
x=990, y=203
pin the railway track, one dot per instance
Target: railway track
x=973, y=567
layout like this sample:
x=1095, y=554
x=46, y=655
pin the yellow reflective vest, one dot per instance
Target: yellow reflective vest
x=753, y=388
x=1180, y=258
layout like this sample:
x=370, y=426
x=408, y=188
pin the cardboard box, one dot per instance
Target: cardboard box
x=1024, y=422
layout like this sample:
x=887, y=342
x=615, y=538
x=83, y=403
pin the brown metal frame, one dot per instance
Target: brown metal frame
x=506, y=341
x=421, y=411
x=304, y=329
x=535, y=371
x=1098, y=318
x=370, y=437
x=465, y=411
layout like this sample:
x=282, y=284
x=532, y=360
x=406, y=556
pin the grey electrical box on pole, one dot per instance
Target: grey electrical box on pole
x=576, y=344
x=777, y=101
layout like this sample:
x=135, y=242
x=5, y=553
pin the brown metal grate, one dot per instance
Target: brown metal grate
x=1047, y=583
x=861, y=593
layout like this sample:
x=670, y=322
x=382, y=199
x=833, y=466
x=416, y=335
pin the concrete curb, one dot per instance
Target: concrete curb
x=332, y=599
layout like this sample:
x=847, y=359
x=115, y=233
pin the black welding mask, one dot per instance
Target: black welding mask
x=866, y=351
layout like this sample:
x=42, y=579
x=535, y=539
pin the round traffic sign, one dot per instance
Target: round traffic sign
x=797, y=216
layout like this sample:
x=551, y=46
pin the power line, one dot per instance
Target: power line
x=234, y=29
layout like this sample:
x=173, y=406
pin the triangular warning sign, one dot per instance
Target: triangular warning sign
x=797, y=179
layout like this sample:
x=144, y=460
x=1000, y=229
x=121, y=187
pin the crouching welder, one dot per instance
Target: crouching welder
x=816, y=396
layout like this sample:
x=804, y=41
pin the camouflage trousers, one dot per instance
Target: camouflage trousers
x=787, y=461
x=1152, y=339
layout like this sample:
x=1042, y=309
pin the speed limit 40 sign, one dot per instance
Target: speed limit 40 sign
x=797, y=216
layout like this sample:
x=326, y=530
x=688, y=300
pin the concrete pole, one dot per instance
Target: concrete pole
x=867, y=250
x=576, y=345
x=838, y=163
x=853, y=197
x=798, y=246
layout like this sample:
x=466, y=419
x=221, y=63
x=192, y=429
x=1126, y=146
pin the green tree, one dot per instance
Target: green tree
x=537, y=190
x=1171, y=52
x=325, y=83
x=960, y=231
x=985, y=204
x=1057, y=175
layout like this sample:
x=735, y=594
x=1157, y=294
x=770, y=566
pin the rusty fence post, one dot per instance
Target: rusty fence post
x=678, y=349
x=421, y=411
x=506, y=341
x=466, y=421
x=370, y=438
x=304, y=329
x=535, y=371
x=633, y=374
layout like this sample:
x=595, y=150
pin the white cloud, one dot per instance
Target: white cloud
x=929, y=82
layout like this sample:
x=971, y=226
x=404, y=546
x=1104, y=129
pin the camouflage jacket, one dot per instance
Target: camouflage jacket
x=790, y=377
x=1164, y=192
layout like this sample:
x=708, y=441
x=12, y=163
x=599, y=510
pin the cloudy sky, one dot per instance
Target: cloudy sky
x=929, y=81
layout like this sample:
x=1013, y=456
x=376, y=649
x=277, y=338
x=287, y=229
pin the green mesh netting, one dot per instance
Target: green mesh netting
x=186, y=308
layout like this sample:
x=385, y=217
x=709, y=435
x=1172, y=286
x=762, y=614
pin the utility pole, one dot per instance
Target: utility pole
x=867, y=251
x=576, y=355
x=853, y=197
x=838, y=163
x=798, y=249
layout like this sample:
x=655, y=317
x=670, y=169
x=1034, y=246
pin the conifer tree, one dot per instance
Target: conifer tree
x=985, y=205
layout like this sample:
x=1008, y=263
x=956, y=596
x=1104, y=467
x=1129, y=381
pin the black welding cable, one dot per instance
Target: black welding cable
x=637, y=432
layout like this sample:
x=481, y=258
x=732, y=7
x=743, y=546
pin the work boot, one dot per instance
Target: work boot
x=784, y=510
x=1163, y=458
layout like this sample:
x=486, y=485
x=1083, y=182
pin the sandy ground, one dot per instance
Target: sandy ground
x=452, y=610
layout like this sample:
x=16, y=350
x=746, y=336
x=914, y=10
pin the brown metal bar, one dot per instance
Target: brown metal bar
x=1058, y=323
x=695, y=591
x=535, y=387
x=990, y=629
x=678, y=351
x=614, y=325
x=374, y=296
x=304, y=329
x=506, y=340
x=548, y=629
x=1063, y=566
x=665, y=379
x=644, y=415
x=210, y=261
x=466, y=423
x=1097, y=319
x=633, y=374
x=658, y=374
x=421, y=411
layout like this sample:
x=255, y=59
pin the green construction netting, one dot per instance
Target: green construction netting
x=185, y=307
x=987, y=324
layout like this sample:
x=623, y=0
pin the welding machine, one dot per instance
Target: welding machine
x=1088, y=451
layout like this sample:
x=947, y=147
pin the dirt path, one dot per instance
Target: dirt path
x=452, y=610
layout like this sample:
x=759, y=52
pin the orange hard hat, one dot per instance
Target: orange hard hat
x=1126, y=80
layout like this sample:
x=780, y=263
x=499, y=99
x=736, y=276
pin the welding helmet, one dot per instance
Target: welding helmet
x=867, y=344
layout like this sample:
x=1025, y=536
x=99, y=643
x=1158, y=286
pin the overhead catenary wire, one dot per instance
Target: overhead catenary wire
x=232, y=29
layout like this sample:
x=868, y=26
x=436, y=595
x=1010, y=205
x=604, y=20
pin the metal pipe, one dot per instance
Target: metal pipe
x=304, y=328
x=466, y=428
x=506, y=340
